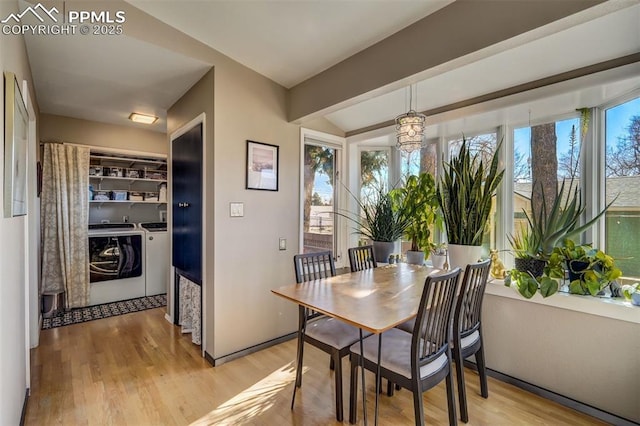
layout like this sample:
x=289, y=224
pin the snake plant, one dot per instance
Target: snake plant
x=465, y=191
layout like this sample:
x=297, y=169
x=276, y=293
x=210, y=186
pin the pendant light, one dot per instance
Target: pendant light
x=410, y=128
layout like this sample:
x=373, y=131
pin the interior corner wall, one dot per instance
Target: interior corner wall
x=86, y=132
x=14, y=334
x=248, y=262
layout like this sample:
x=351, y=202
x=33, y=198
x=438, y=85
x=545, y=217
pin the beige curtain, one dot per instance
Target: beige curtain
x=65, y=219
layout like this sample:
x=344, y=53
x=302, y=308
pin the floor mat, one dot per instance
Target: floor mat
x=106, y=310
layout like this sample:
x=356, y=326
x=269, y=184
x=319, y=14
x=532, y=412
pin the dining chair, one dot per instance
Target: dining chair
x=467, y=329
x=419, y=360
x=327, y=334
x=361, y=258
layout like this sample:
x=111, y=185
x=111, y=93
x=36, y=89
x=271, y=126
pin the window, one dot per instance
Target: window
x=484, y=145
x=319, y=186
x=544, y=156
x=374, y=171
x=622, y=180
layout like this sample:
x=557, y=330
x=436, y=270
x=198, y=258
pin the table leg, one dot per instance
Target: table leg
x=364, y=390
x=378, y=381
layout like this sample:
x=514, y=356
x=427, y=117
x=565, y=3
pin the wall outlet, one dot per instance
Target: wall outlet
x=283, y=244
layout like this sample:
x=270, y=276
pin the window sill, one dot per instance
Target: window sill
x=605, y=307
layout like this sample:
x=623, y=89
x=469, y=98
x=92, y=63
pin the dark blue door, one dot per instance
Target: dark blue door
x=187, y=204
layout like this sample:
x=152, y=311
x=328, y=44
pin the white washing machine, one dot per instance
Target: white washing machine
x=157, y=257
x=116, y=262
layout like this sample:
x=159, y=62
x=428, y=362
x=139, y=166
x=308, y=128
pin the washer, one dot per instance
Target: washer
x=116, y=262
x=157, y=257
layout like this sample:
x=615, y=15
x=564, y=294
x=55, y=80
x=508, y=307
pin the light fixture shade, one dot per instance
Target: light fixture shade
x=410, y=131
x=142, y=118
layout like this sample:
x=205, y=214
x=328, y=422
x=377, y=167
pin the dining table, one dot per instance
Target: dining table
x=374, y=300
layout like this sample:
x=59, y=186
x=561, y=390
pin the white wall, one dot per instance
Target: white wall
x=585, y=356
x=14, y=333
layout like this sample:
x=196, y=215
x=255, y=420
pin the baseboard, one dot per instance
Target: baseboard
x=209, y=359
x=235, y=355
x=24, y=407
x=556, y=397
x=168, y=318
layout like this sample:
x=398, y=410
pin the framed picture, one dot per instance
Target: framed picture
x=15, y=148
x=262, y=166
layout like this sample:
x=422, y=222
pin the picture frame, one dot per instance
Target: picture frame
x=263, y=162
x=16, y=120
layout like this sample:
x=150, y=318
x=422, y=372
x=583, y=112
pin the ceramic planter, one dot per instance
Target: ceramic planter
x=462, y=255
x=415, y=257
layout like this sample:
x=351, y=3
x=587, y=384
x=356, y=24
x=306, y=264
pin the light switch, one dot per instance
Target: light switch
x=283, y=243
x=236, y=209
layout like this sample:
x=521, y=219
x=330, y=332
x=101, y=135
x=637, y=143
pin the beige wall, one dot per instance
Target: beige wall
x=15, y=234
x=589, y=358
x=66, y=129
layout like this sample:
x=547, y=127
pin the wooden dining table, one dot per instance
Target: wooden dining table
x=373, y=300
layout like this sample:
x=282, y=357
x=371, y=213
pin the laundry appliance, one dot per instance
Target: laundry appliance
x=116, y=262
x=156, y=257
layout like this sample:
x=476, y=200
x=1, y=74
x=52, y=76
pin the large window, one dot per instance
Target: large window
x=622, y=171
x=374, y=171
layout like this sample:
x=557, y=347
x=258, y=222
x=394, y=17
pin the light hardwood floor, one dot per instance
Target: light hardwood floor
x=137, y=369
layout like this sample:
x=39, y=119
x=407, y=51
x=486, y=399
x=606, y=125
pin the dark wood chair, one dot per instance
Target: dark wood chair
x=361, y=258
x=419, y=360
x=327, y=334
x=467, y=329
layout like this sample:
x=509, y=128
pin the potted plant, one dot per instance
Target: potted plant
x=380, y=221
x=526, y=249
x=590, y=272
x=631, y=292
x=547, y=228
x=465, y=193
x=439, y=255
x=417, y=199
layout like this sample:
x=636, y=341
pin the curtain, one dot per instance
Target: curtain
x=65, y=219
x=190, y=303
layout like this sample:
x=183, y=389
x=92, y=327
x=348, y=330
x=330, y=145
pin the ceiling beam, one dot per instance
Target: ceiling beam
x=455, y=31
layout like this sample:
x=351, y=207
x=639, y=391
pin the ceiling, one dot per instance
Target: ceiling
x=106, y=78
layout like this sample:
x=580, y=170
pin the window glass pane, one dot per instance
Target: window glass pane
x=374, y=172
x=318, y=214
x=622, y=224
x=484, y=145
x=544, y=156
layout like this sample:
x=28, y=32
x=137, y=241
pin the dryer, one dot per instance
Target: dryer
x=156, y=257
x=116, y=262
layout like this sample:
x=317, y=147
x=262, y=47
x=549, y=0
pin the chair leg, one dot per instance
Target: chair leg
x=482, y=372
x=462, y=394
x=335, y=357
x=451, y=402
x=418, y=409
x=390, y=387
x=353, y=390
x=332, y=364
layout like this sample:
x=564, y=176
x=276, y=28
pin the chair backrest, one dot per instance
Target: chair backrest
x=435, y=314
x=313, y=266
x=361, y=258
x=469, y=305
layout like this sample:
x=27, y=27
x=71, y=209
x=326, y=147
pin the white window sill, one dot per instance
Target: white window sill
x=604, y=307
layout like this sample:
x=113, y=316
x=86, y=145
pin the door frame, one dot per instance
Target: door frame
x=170, y=315
x=339, y=143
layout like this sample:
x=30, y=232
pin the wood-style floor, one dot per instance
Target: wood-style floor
x=137, y=369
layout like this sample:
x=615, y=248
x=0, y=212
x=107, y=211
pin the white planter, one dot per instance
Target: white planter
x=415, y=257
x=461, y=255
x=382, y=250
x=438, y=260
